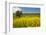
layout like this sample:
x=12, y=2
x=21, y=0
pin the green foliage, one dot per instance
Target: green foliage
x=18, y=13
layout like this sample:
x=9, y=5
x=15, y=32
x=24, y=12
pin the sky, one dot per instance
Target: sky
x=29, y=9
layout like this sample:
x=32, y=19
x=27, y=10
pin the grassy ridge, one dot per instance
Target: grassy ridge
x=26, y=21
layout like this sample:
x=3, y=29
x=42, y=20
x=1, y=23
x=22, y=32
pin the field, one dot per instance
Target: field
x=26, y=21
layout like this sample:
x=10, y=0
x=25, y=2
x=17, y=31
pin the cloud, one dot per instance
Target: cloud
x=16, y=9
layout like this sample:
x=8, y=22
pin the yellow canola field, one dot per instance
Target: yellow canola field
x=26, y=22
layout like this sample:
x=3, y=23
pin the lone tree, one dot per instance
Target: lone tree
x=18, y=13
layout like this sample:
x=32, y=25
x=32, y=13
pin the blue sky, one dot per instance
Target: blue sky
x=30, y=9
